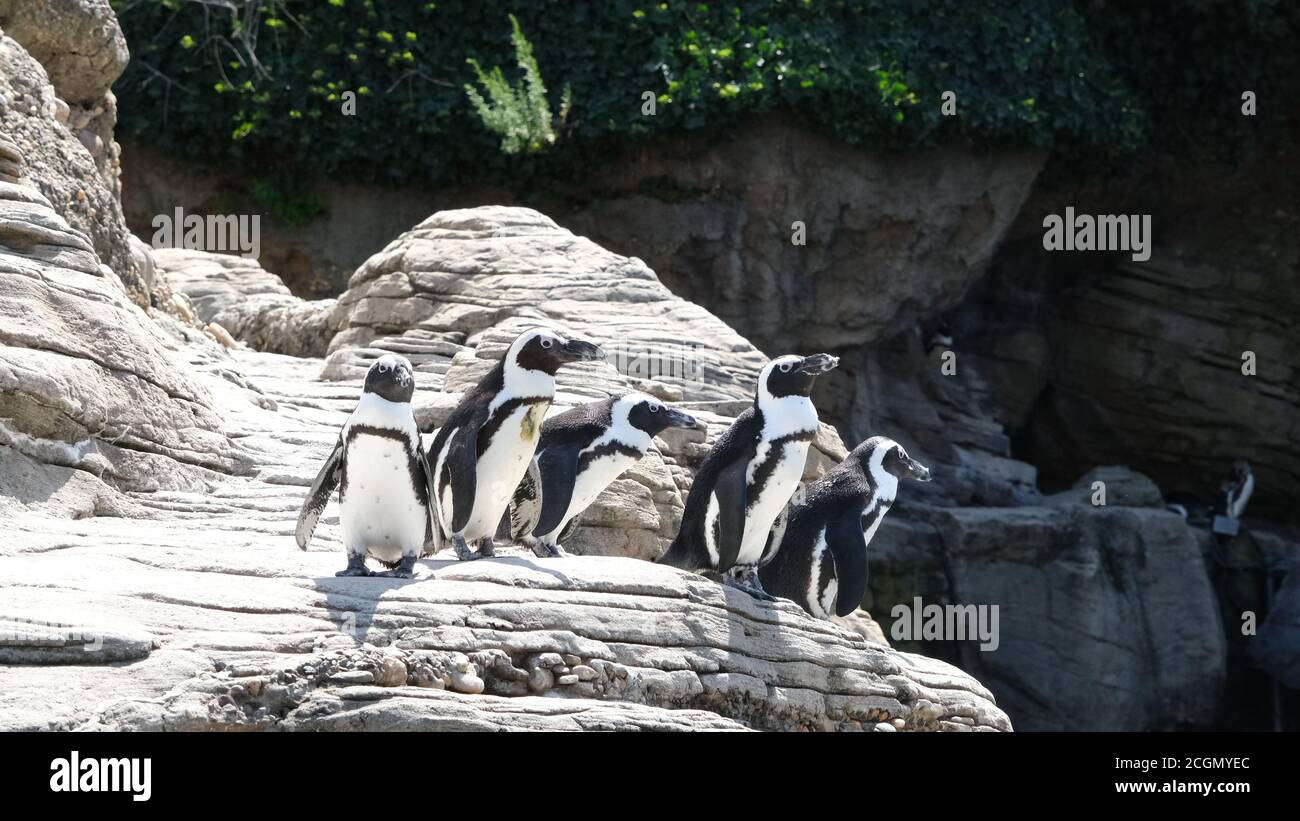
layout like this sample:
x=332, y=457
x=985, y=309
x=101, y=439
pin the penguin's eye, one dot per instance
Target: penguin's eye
x=546, y=342
x=384, y=367
x=654, y=408
x=786, y=366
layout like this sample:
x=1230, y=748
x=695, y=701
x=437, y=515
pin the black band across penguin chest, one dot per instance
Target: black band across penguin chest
x=416, y=472
x=776, y=453
x=612, y=448
x=531, y=421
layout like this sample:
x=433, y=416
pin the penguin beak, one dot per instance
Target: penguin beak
x=577, y=350
x=919, y=472
x=677, y=419
x=818, y=364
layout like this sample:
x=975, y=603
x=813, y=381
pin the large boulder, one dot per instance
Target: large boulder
x=461, y=272
x=87, y=380
x=453, y=292
x=83, y=51
x=888, y=239
x=93, y=395
x=65, y=162
x=78, y=41
x=249, y=302
x=1108, y=620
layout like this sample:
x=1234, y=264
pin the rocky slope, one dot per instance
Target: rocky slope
x=1124, y=587
x=200, y=613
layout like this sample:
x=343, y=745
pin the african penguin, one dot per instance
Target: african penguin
x=1237, y=490
x=1234, y=495
x=580, y=452
x=381, y=474
x=750, y=474
x=820, y=560
x=482, y=451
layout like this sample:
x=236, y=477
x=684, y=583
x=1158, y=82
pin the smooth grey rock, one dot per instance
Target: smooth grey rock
x=88, y=380
x=251, y=303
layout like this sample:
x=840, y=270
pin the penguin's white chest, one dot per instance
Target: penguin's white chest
x=379, y=510
x=772, y=497
x=501, y=466
x=592, y=482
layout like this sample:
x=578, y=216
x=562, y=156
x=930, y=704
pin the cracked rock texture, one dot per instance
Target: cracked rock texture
x=88, y=380
x=56, y=109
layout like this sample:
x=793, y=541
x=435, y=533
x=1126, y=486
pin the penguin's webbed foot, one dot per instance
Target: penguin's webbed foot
x=405, y=569
x=544, y=550
x=487, y=548
x=461, y=547
x=356, y=566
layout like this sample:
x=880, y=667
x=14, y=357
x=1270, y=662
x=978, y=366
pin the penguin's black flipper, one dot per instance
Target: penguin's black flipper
x=848, y=546
x=731, y=490
x=462, y=462
x=319, y=495
x=559, y=469
x=526, y=504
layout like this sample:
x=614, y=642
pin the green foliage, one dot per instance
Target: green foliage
x=522, y=117
x=286, y=199
x=261, y=82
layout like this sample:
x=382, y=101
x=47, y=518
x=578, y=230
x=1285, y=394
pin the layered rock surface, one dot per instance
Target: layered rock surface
x=225, y=623
x=64, y=137
x=87, y=380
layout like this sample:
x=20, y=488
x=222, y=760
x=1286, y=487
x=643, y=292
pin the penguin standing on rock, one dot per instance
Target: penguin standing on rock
x=820, y=561
x=486, y=445
x=750, y=474
x=581, y=451
x=383, y=479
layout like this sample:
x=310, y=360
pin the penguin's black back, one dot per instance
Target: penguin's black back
x=578, y=426
x=844, y=491
x=471, y=404
x=688, y=550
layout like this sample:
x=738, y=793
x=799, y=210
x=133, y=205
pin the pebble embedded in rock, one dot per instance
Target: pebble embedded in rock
x=391, y=672
x=468, y=683
x=540, y=680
